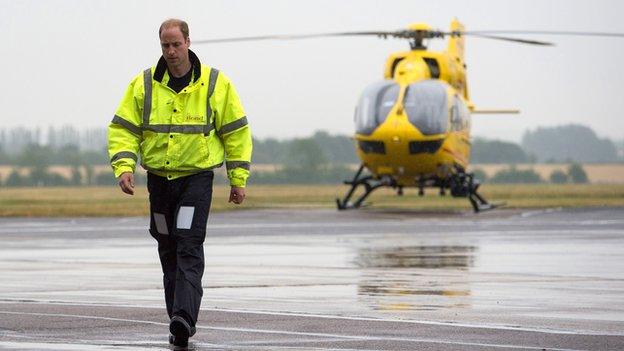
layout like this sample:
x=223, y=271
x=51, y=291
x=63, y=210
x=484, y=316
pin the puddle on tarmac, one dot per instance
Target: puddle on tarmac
x=403, y=289
x=391, y=280
x=416, y=257
x=398, y=307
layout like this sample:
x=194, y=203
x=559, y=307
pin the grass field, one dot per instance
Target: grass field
x=607, y=173
x=110, y=201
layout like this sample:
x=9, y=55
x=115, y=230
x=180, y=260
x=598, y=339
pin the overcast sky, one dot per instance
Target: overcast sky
x=68, y=62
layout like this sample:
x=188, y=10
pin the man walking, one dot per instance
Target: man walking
x=182, y=119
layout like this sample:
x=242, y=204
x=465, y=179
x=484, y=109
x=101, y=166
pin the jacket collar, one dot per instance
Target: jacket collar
x=161, y=67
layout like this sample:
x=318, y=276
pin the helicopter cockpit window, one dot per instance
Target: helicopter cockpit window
x=434, y=67
x=460, y=115
x=427, y=107
x=374, y=106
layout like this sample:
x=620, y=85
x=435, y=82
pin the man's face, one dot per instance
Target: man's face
x=174, y=46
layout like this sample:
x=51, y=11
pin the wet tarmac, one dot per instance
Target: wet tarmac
x=325, y=280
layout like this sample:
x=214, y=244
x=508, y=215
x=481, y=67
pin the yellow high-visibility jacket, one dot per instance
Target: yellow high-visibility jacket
x=178, y=134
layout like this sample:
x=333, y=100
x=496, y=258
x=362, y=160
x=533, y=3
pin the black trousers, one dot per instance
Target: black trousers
x=179, y=214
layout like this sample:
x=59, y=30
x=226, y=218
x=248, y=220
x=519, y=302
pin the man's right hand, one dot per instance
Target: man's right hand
x=126, y=183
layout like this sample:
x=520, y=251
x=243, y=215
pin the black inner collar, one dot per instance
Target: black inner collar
x=161, y=67
x=177, y=84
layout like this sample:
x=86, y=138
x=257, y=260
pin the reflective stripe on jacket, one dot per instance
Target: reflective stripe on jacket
x=177, y=134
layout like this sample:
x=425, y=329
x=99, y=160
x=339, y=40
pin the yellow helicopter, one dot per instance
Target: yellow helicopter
x=412, y=129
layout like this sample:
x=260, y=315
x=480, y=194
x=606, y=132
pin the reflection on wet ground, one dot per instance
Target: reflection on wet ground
x=388, y=292
x=543, y=270
x=416, y=257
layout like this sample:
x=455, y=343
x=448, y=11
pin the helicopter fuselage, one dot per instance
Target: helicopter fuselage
x=414, y=126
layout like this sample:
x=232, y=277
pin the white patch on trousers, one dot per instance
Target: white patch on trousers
x=161, y=223
x=185, y=217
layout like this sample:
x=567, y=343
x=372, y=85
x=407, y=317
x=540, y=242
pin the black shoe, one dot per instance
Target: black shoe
x=181, y=331
x=179, y=345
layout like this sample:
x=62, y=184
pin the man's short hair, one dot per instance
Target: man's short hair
x=174, y=22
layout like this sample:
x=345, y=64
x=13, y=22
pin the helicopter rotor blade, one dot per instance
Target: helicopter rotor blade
x=412, y=34
x=498, y=37
x=494, y=34
x=545, y=32
x=383, y=34
x=516, y=40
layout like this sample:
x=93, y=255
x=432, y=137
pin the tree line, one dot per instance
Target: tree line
x=574, y=173
x=562, y=144
x=323, y=158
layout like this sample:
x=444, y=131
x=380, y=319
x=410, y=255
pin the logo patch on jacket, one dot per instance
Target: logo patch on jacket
x=194, y=118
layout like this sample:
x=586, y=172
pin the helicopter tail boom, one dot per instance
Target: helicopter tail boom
x=494, y=112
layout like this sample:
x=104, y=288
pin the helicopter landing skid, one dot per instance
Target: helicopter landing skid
x=368, y=182
x=465, y=185
x=479, y=204
x=461, y=185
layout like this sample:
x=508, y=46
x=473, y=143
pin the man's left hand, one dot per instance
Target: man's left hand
x=237, y=195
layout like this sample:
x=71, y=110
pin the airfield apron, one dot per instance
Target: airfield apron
x=178, y=216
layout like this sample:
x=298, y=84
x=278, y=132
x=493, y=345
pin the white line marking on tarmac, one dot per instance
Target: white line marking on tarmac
x=284, y=332
x=322, y=316
x=325, y=316
x=540, y=212
x=84, y=317
x=389, y=320
x=65, y=346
